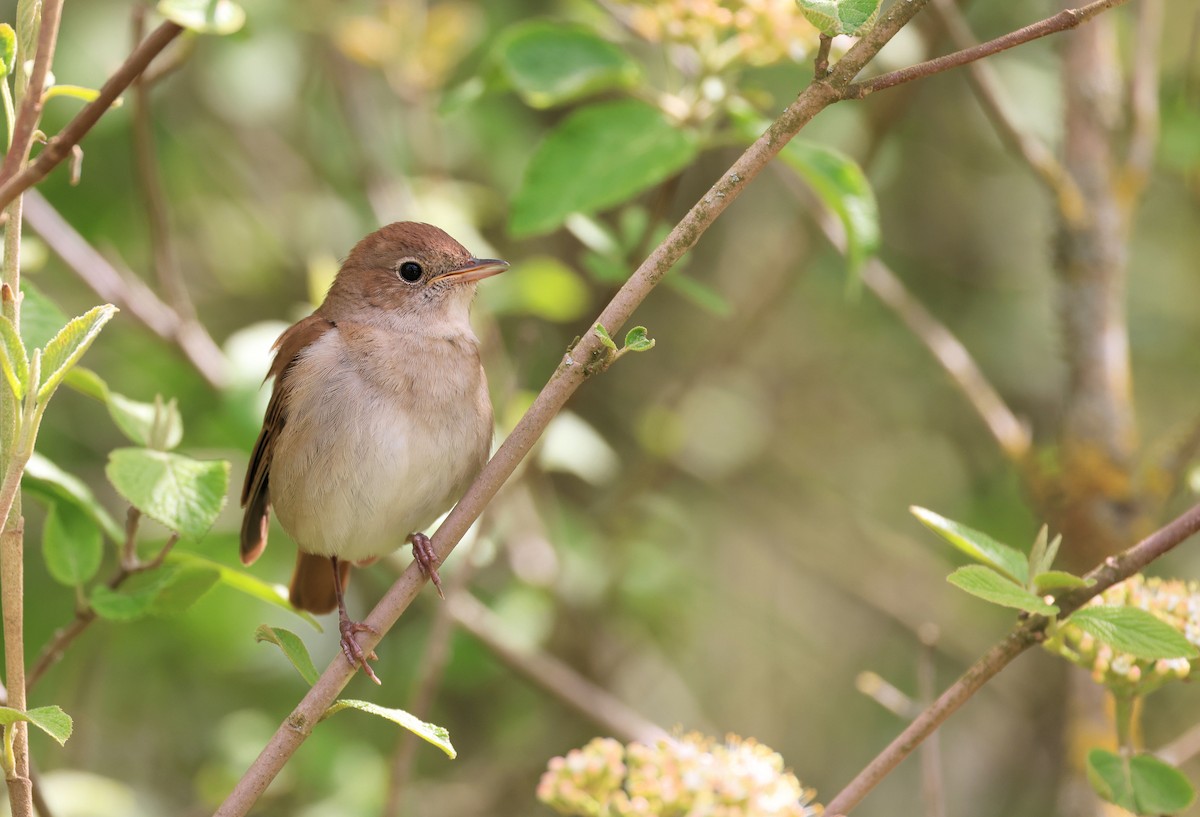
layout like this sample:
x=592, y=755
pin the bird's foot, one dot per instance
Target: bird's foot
x=426, y=557
x=355, y=654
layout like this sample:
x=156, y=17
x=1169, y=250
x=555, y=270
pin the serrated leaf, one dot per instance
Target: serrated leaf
x=182, y=493
x=636, y=340
x=293, y=648
x=1158, y=787
x=989, y=585
x=979, y=546
x=8, y=49
x=598, y=156
x=834, y=17
x=71, y=545
x=66, y=348
x=1109, y=777
x=1133, y=630
x=50, y=719
x=204, y=16
x=14, y=362
x=1052, y=581
x=246, y=584
x=605, y=338
x=52, y=484
x=429, y=732
x=552, y=63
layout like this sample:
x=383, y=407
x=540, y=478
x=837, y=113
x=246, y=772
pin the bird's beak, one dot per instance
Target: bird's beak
x=476, y=269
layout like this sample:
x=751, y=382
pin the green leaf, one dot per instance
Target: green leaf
x=1052, y=581
x=71, y=545
x=436, y=735
x=979, y=546
x=246, y=584
x=989, y=585
x=833, y=17
x=1133, y=630
x=700, y=294
x=64, y=349
x=841, y=186
x=1110, y=778
x=204, y=16
x=8, y=49
x=114, y=605
x=40, y=317
x=13, y=360
x=552, y=63
x=52, y=484
x=293, y=648
x=183, y=586
x=636, y=340
x=182, y=493
x=605, y=338
x=1158, y=787
x=50, y=719
x=599, y=156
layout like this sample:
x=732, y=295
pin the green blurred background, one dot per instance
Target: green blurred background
x=717, y=532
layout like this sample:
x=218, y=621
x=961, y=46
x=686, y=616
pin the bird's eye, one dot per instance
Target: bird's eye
x=410, y=271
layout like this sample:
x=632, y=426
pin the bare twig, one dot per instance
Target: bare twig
x=593, y=702
x=59, y=146
x=1063, y=21
x=1108, y=573
x=126, y=291
x=31, y=101
x=575, y=368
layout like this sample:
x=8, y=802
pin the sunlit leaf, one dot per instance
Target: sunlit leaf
x=436, y=735
x=989, y=585
x=637, y=341
x=979, y=546
x=1133, y=630
x=64, y=349
x=50, y=719
x=8, y=49
x=551, y=63
x=834, y=17
x=182, y=493
x=293, y=648
x=204, y=16
x=599, y=156
x=71, y=544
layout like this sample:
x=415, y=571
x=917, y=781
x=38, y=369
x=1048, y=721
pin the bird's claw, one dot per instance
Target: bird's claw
x=427, y=558
x=355, y=654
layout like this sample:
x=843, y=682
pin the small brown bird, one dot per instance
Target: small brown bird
x=379, y=418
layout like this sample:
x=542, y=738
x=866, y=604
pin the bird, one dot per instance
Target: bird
x=379, y=417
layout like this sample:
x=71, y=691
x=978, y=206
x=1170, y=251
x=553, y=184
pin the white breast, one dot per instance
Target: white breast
x=370, y=452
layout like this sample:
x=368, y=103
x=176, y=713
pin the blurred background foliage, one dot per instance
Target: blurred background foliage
x=717, y=531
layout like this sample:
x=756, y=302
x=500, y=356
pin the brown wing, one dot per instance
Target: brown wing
x=256, y=495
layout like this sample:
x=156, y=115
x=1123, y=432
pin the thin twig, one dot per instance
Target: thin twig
x=591, y=701
x=30, y=112
x=59, y=146
x=128, y=292
x=821, y=61
x=578, y=364
x=1063, y=21
x=990, y=92
x=1109, y=572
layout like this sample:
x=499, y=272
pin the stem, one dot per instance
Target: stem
x=1125, y=714
x=29, y=96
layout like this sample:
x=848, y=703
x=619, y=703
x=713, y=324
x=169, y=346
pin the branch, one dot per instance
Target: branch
x=1063, y=21
x=575, y=368
x=31, y=94
x=126, y=291
x=59, y=147
x=1109, y=572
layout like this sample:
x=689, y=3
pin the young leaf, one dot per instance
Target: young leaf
x=636, y=340
x=293, y=648
x=1134, y=631
x=246, y=584
x=1037, y=553
x=13, y=360
x=64, y=349
x=71, y=545
x=52, y=484
x=1053, y=581
x=8, y=49
x=989, y=585
x=598, y=156
x=1158, y=787
x=204, y=16
x=552, y=63
x=182, y=493
x=605, y=338
x=50, y=719
x=1109, y=777
x=979, y=546
x=436, y=735
x=834, y=17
